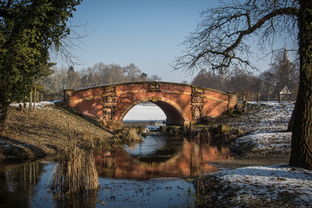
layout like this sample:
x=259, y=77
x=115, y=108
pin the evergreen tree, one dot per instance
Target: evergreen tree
x=28, y=29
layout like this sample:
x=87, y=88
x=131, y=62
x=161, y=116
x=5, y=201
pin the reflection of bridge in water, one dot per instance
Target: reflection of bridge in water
x=181, y=103
x=191, y=159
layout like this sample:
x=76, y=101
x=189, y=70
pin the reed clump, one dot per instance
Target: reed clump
x=74, y=200
x=76, y=172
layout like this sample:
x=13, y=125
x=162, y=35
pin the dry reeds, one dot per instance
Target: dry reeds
x=75, y=179
x=76, y=172
x=74, y=200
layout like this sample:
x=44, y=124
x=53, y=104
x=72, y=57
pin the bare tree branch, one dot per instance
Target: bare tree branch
x=221, y=39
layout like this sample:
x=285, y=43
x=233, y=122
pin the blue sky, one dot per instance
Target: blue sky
x=144, y=32
x=147, y=33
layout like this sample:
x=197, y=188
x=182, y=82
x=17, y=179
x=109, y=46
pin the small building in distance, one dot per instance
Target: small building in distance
x=285, y=94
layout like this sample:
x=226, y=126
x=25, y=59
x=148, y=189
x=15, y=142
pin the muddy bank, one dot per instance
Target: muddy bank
x=255, y=159
x=43, y=132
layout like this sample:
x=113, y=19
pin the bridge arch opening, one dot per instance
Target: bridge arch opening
x=174, y=114
x=146, y=111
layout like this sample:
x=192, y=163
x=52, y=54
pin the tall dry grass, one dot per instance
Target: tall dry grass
x=75, y=179
x=76, y=172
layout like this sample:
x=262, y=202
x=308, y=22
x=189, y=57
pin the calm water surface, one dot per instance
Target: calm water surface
x=150, y=174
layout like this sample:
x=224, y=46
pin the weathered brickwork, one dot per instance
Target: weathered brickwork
x=181, y=103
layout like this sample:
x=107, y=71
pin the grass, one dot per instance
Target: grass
x=31, y=135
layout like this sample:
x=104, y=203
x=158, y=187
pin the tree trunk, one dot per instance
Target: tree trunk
x=291, y=121
x=30, y=99
x=301, y=144
x=268, y=94
x=35, y=97
x=3, y=115
x=278, y=95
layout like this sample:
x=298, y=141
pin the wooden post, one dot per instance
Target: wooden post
x=24, y=167
x=30, y=173
x=35, y=96
x=268, y=93
x=30, y=99
x=278, y=94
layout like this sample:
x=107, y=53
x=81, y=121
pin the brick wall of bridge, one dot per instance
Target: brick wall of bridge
x=180, y=102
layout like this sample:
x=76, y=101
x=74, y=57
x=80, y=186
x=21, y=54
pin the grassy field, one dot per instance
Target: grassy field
x=31, y=135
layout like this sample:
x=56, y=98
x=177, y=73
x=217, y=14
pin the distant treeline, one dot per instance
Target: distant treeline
x=99, y=74
x=268, y=85
x=283, y=74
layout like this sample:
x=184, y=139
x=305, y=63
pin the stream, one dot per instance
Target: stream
x=154, y=173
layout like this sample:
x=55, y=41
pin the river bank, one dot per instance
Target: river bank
x=49, y=129
x=266, y=141
x=45, y=131
x=264, y=144
x=256, y=182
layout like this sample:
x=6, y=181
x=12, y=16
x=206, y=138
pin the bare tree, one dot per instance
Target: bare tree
x=89, y=77
x=98, y=74
x=267, y=83
x=286, y=72
x=133, y=73
x=72, y=79
x=209, y=80
x=244, y=83
x=221, y=40
x=154, y=78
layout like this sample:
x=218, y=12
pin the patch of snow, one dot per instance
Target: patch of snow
x=269, y=183
x=267, y=141
x=271, y=102
x=42, y=104
x=277, y=184
x=273, y=116
x=268, y=128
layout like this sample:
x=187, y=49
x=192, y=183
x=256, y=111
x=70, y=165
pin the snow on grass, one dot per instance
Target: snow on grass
x=267, y=186
x=273, y=116
x=267, y=141
x=269, y=183
x=42, y=104
x=268, y=128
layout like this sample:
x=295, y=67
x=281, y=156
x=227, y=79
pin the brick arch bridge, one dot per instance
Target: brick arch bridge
x=181, y=103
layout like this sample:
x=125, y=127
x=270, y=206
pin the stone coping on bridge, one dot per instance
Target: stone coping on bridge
x=160, y=82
